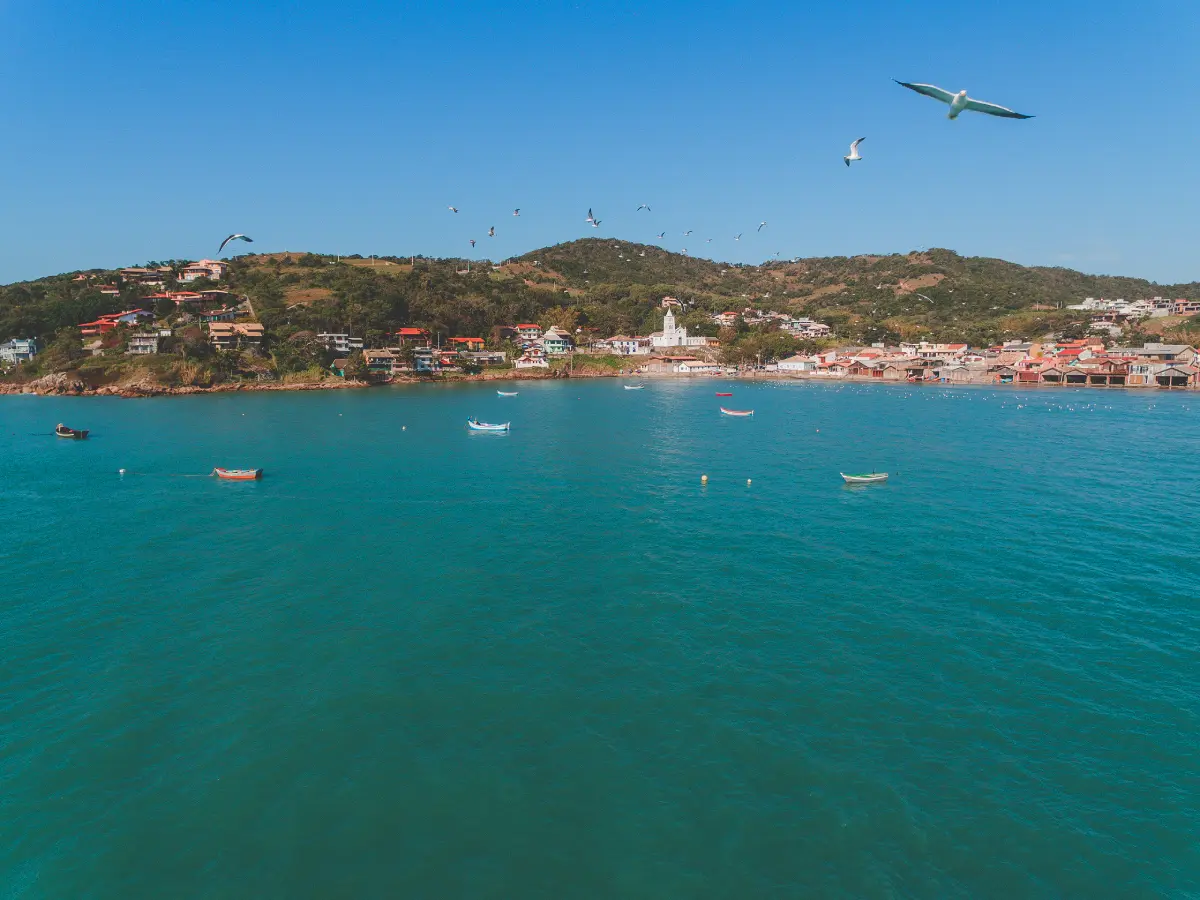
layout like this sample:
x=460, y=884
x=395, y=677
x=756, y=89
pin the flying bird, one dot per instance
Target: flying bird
x=738, y=236
x=762, y=225
x=960, y=101
x=661, y=235
x=591, y=217
x=492, y=231
x=708, y=241
x=453, y=209
x=234, y=237
x=595, y=222
x=686, y=233
x=854, y=155
x=645, y=206
x=516, y=212
x=472, y=242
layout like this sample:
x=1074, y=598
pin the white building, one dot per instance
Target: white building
x=697, y=367
x=798, y=364
x=675, y=336
x=623, y=345
x=213, y=269
x=143, y=343
x=340, y=343
x=18, y=350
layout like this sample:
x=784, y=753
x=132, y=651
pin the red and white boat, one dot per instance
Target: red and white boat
x=238, y=474
x=737, y=412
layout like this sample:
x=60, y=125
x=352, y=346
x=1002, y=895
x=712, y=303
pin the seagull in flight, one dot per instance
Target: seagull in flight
x=472, y=242
x=708, y=241
x=595, y=223
x=854, y=155
x=516, y=212
x=645, y=206
x=234, y=237
x=738, y=236
x=591, y=217
x=960, y=101
x=661, y=235
x=492, y=231
x=453, y=209
x=762, y=225
x=686, y=233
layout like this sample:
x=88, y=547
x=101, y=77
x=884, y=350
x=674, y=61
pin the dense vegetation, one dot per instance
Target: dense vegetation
x=615, y=287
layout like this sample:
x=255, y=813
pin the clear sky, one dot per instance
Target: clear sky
x=140, y=130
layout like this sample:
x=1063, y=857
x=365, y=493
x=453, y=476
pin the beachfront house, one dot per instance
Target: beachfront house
x=697, y=367
x=426, y=361
x=18, y=350
x=528, y=332
x=236, y=335
x=797, y=364
x=379, y=363
x=473, y=344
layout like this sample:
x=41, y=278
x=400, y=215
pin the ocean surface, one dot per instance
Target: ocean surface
x=414, y=661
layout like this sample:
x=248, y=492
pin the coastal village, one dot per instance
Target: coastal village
x=228, y=324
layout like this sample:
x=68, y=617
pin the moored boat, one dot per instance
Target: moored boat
x=870, y=478
x=476, y=425
x=634, y=387
x=719, y=394
x=737, y=412
x=238, y=474
x=507, y=393
x=64, y=432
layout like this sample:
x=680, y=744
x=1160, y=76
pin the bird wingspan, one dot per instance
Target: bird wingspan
x=993, y=110
x=854, y=146
x=929, y=90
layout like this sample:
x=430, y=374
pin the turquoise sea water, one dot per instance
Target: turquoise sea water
x=419, y=662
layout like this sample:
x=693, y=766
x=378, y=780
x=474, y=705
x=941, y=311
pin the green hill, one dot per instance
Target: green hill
x=615, y=286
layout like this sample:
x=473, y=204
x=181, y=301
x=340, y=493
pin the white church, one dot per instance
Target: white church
x=675, y=336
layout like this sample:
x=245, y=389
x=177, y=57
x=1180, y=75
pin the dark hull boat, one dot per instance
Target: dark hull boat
x=64, y=432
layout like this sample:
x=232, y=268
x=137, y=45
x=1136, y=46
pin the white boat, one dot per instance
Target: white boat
x=872, y=478
x=476, y=425
x=507, y=393
x=737, y=412
x=634, y=387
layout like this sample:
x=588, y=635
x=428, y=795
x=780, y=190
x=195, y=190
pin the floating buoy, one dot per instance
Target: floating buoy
x=704, y=479
x=404, y=428
x=748, y=482
x=120, y=471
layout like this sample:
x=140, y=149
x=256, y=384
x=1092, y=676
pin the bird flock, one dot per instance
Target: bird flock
x=959, y=102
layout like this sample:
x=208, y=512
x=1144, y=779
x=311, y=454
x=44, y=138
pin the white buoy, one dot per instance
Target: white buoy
x=748, y=482
x=404, y=428
x=704, y=479
x=120, y=471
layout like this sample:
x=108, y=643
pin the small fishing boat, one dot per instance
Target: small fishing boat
x=507, y=393
x=737, y=412
x=476, y=425
x=64, y=432
x=719, y=394
x=871, y=478
x=238, y=474
x=634, y=387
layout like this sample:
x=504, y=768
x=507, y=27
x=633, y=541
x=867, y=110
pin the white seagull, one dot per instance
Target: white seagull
x=762, y=225
x=492, y=231
x=645, y=206
x=738, y=236
x=452, y=208
x=854, y=155
x=960, y=101
x=516, y=212
x=234, y=237
x=661, y=235
x=472, y=242
x=686, y=233
x=595, y=223
x=591, y=218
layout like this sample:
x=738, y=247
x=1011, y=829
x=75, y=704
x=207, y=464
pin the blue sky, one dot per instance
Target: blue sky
x=132, y=131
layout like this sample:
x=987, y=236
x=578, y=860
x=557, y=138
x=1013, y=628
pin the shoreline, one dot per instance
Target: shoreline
x=62, y=385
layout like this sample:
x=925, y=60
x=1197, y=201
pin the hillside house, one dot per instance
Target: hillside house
x=212, y=269
x=557, y=342
x=380, y=363
x=340, y=343
x=413, y=337
x=473, y=344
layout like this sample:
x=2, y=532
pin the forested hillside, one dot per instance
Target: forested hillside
x=614, y=287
